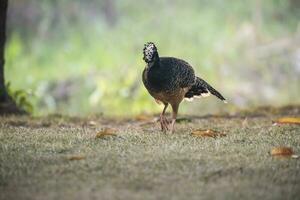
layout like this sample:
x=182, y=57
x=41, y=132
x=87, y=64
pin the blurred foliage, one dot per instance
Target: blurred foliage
x=79, y=57
x=21, y=99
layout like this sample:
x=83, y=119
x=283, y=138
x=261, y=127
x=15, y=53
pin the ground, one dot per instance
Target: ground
x=59, y=157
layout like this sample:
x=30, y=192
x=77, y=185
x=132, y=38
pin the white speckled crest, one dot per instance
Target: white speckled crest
x=149, y=51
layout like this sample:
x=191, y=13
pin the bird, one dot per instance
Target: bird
x=170, y=80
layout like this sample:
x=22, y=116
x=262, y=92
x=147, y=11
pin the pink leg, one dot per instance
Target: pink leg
x=174, y=115
x=163, y=121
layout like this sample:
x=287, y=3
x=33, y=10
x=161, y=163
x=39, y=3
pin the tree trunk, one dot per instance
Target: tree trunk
x=3, y=11
x=7, y=105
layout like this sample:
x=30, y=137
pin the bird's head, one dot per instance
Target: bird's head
x=150, y=52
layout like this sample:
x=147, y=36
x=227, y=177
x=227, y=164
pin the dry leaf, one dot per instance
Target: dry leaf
x=288, y=120
x=144, y=117
x=92, y=123
x=282, y=151
x=76, y=158
x=106, y=132
x=208, y=133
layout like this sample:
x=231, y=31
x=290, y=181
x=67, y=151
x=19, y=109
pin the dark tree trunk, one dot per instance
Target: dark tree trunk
x=3, y=12
x=7, y=105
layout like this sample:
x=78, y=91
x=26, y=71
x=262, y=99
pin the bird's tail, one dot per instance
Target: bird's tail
x=202, y=89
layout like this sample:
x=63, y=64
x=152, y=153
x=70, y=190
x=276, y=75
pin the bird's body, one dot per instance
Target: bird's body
x=169, y=80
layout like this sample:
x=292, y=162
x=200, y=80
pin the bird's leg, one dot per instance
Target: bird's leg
x=163, y=120
x=174, y=115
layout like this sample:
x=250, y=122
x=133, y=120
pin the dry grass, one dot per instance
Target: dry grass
x=60, y=158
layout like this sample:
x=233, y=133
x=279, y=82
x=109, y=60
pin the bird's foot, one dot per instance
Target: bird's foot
x=164, y=123
x=173, y=125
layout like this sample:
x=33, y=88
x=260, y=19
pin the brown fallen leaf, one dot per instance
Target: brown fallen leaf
x=106, y=132
x=92, y=123
x=282, y=151
x=144, y=117
x=76, y=158
x=207, y=133
x=287, y=120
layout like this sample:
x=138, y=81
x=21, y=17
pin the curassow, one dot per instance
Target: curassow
x=169, y=80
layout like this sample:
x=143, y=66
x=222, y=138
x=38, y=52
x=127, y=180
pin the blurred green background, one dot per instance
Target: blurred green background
x=80, y=57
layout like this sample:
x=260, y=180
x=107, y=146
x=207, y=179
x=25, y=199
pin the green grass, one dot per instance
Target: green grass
x=143, y=163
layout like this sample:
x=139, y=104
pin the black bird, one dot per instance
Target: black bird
x=170, y=80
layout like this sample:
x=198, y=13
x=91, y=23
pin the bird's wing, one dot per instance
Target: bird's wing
x=181, y=73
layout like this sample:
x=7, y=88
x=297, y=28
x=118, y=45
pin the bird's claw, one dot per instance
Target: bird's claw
x=164, y=123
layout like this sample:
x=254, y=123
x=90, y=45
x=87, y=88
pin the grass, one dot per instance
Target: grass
x=143, y=163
